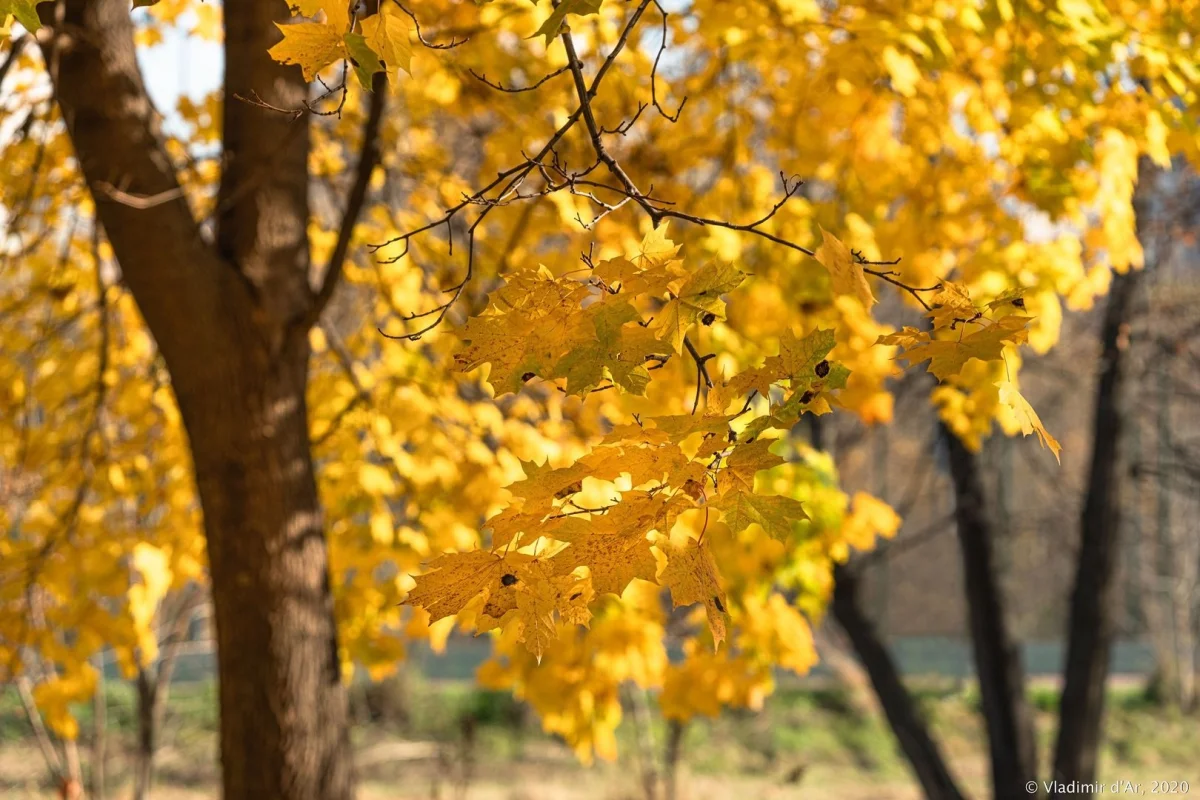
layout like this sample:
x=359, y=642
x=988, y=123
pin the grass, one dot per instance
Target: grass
x=808, y=741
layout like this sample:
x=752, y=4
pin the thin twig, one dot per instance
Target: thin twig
x=517, y=89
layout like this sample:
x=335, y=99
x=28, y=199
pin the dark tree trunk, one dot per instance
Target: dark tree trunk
x=1090, y=626
x=147, y=729
x=231, y=323
x=998, y=661
x=902, y=714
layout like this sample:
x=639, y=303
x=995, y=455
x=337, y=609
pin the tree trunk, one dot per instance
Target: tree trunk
x=54, y=764
x=231, y=323
x=906, y=722
x=672, y=755
x=998, y=661
x=146, y=730
x=1090, y=625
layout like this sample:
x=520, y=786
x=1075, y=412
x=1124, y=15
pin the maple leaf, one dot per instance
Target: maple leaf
x=649, y=275
x=656, y=248
x=544, y=483
x=535, y=616
x=311, y=45
x=760, y=379
x=575, y=596
x=608, y=346
x=533, y=321
x=651, y=464
x=777, y=514
x=493, y=340
x=550, y=27
x=698, y=296
x=847, y=274
x=680, y=426
x=947, y=358
x=530, y=597
x=1013, y=298
x=507, y=526
x=746, y=461
x=634, y=434
x=24, y=10
x=455, y=579
x=798, y=358
x=366, y=62
x=1027, y=417
x=952, y=306
x=905, y=338
x=387, y=34
x=613, y=545
x=691, y=575
x=612, y=559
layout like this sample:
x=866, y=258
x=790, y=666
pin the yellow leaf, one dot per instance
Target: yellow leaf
x=456, y=579
x=848, y=276
x=902, y=70
x=24, y=10
x=55, y=696
x=335, y=13
x=1027, y=417
x=550, y=27
x=691, y=574
x=746, y=461
x=312, y=45
x=387, y=33
x=1156, y=140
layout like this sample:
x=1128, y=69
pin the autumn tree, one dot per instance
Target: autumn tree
x=440, y=249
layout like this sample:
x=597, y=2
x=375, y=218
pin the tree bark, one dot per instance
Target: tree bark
x=1090, y=625
x=147, y=729
x=228, y=321
x=998, y=661
x=672, y=755
x=909, y=728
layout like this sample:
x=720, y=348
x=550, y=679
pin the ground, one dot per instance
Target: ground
x=448, y=740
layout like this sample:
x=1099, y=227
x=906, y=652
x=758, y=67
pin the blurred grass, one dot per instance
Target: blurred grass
x=416, y=735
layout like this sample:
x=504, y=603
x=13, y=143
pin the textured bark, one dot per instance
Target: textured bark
x=1090, y=626
x=225, y=319
x=909, y=728
x=998, y=661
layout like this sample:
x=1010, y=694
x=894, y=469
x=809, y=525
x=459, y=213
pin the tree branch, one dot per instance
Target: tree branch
x=368, y=159
x=178, y=281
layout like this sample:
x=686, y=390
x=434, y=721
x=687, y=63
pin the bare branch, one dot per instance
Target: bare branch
x=517, y=89
x=662, y=46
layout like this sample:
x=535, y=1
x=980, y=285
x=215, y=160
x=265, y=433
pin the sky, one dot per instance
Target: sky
x=180, y=65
